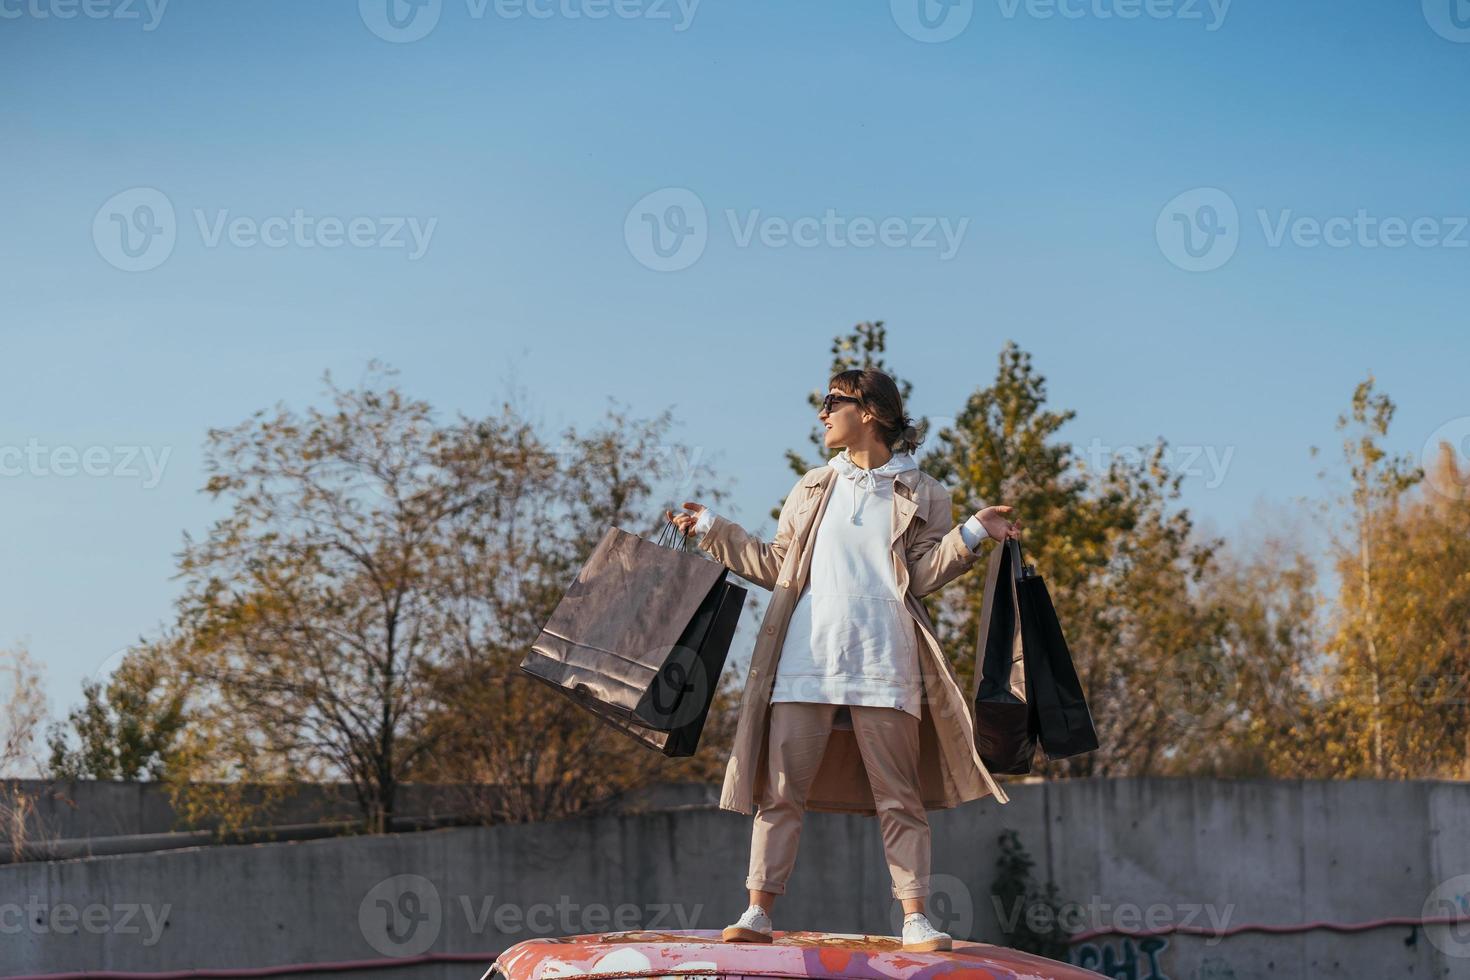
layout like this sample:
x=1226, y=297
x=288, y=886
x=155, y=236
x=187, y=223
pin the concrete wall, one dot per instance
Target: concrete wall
x=1207, y=852
x=94, y=808
x=99, y=808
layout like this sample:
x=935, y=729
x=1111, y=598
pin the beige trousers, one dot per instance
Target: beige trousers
x=889, y=741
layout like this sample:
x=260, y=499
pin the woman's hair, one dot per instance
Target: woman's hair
x=882, y=400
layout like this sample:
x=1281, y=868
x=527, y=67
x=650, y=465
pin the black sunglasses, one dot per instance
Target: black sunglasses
x=832, y=400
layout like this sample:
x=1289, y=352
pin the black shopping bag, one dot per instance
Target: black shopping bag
x=1019, y=623
x=1005, y=722
x=640, y=638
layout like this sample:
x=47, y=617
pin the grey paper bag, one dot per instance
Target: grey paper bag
x=640, y=639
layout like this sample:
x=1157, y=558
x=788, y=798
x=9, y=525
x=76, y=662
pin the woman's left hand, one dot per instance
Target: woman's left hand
x=995, y=523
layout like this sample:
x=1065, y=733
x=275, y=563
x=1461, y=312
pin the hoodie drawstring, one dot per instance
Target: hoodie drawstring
x=865, y=480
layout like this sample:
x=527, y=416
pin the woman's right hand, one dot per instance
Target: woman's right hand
x=685, y=522
x=994, y=521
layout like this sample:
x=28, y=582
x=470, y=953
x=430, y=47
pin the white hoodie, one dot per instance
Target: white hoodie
x=851, y=640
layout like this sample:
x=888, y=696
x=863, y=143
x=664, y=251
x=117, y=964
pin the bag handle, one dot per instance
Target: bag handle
x=676, y=541
x=1020, y=571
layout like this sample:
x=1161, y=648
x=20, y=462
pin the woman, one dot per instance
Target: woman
x=847, y=681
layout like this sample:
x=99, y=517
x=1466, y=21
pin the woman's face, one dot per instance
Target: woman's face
x=844, y=423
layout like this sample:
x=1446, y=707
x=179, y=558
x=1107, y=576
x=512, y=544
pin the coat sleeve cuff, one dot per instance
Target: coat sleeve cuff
x=973, y=532
x=955, y=541
x=706, y=535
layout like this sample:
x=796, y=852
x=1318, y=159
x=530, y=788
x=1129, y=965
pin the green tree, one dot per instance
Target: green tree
x=128, y=727
x=1122, y=565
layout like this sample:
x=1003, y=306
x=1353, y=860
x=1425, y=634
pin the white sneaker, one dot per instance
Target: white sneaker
x=752, y=927
x=921, y=937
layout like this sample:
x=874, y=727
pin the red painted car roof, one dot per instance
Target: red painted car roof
x=605, y=956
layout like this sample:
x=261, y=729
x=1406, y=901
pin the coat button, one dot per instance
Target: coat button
x=785, y=583
x=770, y=629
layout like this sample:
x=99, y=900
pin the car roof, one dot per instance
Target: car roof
x=683, y=952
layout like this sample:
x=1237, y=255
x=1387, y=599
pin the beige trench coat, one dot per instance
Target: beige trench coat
x=928, y=551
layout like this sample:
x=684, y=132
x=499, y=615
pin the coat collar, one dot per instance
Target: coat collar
x=905, y=496
x=908, y=479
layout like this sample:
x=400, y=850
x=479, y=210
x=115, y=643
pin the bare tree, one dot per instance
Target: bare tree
x=361, y=610
x=22, y=711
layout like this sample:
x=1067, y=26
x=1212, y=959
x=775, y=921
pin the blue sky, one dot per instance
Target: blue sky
x=1068, y=155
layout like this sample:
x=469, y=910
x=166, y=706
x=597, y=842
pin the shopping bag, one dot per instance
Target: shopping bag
x=1005, y=722
x=1026, y=689
x=1063, y=722
x=640, y=638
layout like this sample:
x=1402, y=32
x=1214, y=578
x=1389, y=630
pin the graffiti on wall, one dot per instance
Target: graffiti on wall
x=1125, y=959
x=1138, y=959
